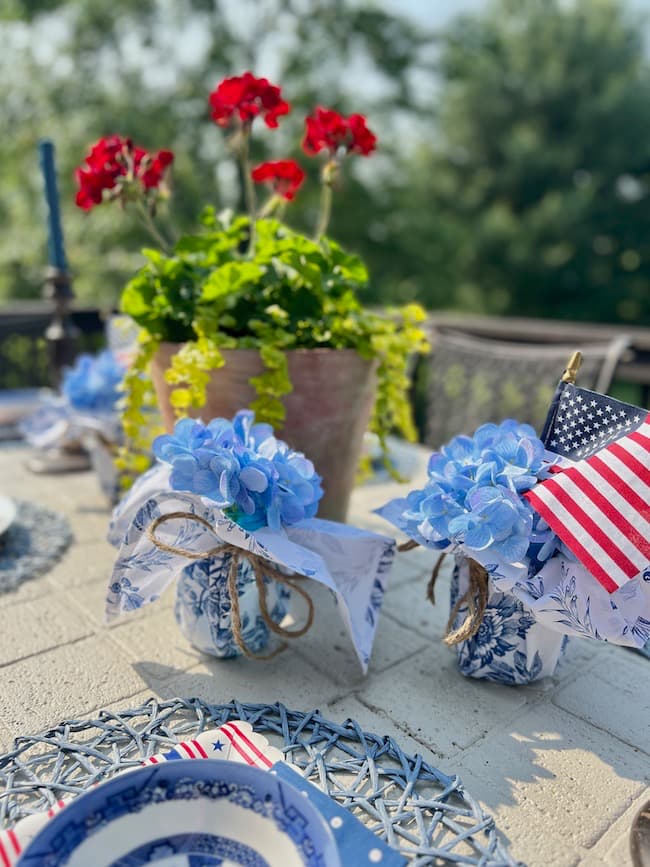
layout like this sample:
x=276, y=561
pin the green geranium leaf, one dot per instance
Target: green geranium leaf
x=230, y=279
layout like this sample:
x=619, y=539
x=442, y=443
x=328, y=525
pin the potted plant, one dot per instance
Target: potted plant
x=249, y=312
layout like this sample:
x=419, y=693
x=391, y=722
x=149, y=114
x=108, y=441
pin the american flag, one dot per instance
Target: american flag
x=599, y=502
x=581, y=422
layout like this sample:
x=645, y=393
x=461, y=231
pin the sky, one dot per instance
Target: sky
x=438, y=12
x=434, y=12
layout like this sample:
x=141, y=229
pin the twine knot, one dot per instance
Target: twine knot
x=262, y=568
x=474, y=599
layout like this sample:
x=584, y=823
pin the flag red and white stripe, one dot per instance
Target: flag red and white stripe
x=245, y=746
x=600, y=508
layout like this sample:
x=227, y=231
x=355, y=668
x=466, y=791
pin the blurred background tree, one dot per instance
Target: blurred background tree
x=532, y=198
x=515, y=149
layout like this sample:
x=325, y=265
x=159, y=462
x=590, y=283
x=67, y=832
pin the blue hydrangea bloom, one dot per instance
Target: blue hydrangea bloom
x=189, y=435
x=496, y=519
x=254, y=477
x=94, y=383
x=473, y=494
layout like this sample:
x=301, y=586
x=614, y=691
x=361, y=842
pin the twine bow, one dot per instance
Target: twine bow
x=475, y=598
x=261, y=568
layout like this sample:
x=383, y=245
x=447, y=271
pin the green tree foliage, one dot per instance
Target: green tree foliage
x=75, y=70
x=518, y=184
x=533, y=197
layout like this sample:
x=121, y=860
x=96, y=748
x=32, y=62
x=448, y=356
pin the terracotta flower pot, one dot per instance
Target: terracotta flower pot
x=327, y=411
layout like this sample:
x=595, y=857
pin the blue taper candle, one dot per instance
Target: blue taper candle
x=56, y=252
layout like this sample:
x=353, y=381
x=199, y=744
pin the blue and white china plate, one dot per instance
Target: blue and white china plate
x=187, y=814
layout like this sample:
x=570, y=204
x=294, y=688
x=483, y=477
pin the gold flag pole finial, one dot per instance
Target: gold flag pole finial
x=572, y=368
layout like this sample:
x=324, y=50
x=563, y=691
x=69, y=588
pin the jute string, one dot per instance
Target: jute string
x=475, y=598
x=261, y=568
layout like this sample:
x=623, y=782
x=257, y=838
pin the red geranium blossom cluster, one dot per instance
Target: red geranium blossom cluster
x=131, y=174
x=286, y=176
x=114, y=161
x=248, y=97
x=329, y=130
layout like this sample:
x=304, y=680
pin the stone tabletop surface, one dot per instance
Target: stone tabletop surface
x=563, y=764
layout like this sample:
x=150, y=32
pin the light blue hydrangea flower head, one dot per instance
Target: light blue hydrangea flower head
x=495, y=519
x=473, y=496
x=94, y=383
x=256, y=479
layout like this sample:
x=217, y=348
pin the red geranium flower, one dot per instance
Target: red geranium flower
x=248, y=97
x=285, y=175
x=151, y=171
x=112, y=161
x=363, y=141
x=329, y=130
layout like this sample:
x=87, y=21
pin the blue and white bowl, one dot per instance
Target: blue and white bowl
x=187, y=814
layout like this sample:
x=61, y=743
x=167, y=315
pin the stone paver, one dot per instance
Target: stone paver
x=604, y=694
x=426, y=696
x=407, y=603
x=560, y=764
x=84, y=563
x=155, y=640
x=613, y=848
x=27, y=591
x=329, y=648
x=288, y=679
x=34, y=627
x=6, y=738
x=550, y=776
x=64, y=682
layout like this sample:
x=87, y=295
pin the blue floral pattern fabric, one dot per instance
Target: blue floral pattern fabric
x=563, y=596
x=204, y=608
x=511, y=646
x=353, y=563
x=87, y=403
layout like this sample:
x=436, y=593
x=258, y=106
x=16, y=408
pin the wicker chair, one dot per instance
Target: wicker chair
x=471, y=380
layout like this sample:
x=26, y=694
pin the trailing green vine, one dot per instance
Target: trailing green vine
x=138, y=416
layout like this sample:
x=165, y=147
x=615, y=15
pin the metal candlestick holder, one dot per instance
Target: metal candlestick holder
x=61, y=333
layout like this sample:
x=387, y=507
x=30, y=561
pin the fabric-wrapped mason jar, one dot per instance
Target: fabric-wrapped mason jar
x=204, y=609
x=509, y=646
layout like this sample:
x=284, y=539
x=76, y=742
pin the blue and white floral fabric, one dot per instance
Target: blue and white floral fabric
x=204, y=609
x=87, y=403
x=558, y=595
x=511, y=645
x=563, y=596
x=353, y=563
x=85, y=412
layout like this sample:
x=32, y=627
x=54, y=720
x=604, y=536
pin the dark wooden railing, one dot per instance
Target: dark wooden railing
x=25, y=357
x=25, y=362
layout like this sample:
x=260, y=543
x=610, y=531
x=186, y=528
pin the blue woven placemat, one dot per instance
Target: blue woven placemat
x=32, y=544
x=426, y=814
